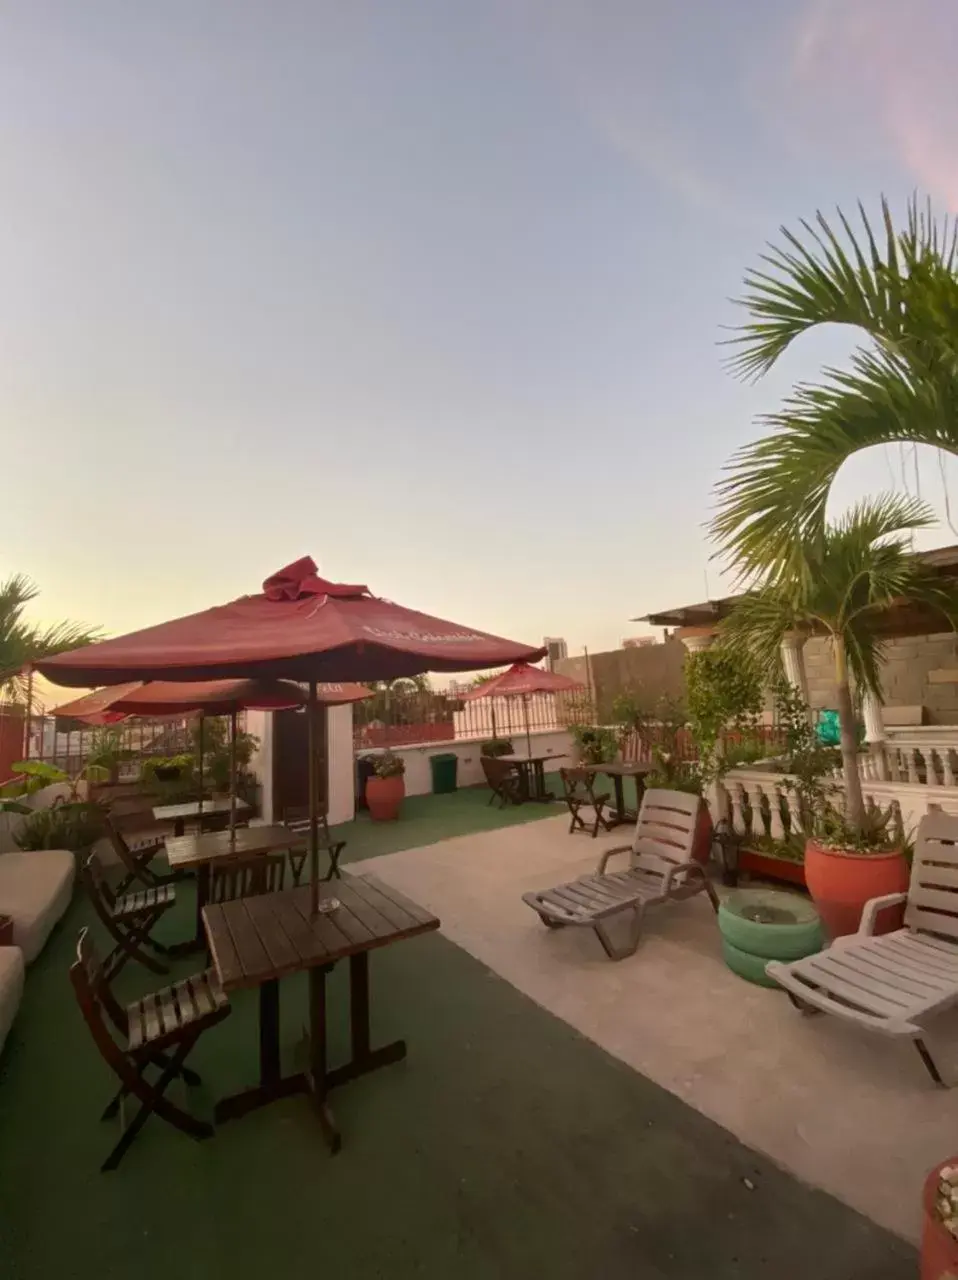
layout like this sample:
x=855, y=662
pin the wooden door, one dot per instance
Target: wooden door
x=291, y=761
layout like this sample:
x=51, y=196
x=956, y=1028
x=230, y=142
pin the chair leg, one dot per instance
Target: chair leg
x=297, y=861
x=929, y=1062
x=129, y=946
x=621, y=951
x=153, y=1102
x=335, y=851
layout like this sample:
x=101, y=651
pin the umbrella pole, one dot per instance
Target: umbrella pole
x=313, y=802
x=492, y=704
x=233, y=776
x=525, y=708
x=200, y=750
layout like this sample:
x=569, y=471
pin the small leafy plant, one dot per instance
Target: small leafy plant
x=388, y=765
x=595, y=744
x=496, y=747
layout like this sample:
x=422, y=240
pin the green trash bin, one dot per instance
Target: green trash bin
x=443, y=767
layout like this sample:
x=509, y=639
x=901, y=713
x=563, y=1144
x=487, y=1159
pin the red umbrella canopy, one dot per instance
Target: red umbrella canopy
x=164, y=697
x=522, y=679
x=300, y=627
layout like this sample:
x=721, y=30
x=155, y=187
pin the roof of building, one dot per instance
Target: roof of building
x=901, y=620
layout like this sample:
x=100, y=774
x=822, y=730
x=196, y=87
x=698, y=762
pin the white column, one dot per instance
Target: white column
x=793, y=661
x=875, y=733
x=698, y=641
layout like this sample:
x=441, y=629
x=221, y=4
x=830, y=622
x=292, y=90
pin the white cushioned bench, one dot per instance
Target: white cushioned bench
x=35, y=890
x=11, y=987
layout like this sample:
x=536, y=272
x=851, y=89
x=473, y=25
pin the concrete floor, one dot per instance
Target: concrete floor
x=852, y=1113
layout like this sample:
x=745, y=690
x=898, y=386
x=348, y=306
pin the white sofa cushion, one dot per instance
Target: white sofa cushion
x=11, y=987
x=35, y=890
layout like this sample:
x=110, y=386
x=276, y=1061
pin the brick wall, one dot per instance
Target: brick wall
x=653, y=670
x=909, y=677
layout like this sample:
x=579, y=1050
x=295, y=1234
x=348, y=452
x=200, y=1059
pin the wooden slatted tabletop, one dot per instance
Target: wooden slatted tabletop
x=246, y=842
x=258, y=939
x=191, y=809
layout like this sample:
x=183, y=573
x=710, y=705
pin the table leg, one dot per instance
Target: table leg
x=179, y=826
x=272, y=1085
x=202, y=898
x=318, y=1073
x=618, y=783
x=363, y=1058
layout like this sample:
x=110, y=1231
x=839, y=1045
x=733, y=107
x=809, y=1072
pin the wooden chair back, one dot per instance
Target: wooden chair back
x=97, y=1003
x=97, y=886
x=498, y=772
x=578, y=785
x=664, y=830
x=248, y=877
x=124, y=853
x=933, y=891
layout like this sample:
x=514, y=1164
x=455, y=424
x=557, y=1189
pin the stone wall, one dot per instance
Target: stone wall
x=919, y=671
x=653, y=671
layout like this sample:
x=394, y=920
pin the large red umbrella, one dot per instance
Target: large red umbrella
x=520, y=681
x=300, y=627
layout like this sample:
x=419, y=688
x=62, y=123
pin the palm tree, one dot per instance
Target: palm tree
x=855, y=571
x=22, y=642
x=901, y=290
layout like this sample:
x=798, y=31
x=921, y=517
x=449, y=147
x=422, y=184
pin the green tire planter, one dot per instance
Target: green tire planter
x=770, y=923
x=749, y=967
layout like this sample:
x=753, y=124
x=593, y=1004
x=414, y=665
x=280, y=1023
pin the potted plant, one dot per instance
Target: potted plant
x=385, y=788
x=723, y=693
x=594, y=744
x=70, y=821
x=840, y=583
x=496, y=747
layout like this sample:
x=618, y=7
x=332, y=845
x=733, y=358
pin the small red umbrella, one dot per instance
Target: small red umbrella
x=520, y=681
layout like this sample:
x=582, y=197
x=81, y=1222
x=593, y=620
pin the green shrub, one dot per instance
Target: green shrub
x=388, y=764
x=496, y=747
x=75, y=826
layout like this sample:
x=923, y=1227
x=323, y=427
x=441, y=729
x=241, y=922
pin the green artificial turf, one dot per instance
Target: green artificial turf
x=505, y=1146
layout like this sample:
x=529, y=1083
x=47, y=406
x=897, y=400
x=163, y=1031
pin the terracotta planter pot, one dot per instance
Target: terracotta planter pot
x=384, y=797
x=939, y=1248
x=702, y=844
x=842, y=882
x=769, y=867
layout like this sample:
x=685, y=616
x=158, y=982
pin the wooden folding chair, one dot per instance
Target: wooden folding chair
x=129, y=918
x=579, y=788
x=246, y=877
x=296, y=818
x=504, y=779
x=136, y=865
x=157, y=1031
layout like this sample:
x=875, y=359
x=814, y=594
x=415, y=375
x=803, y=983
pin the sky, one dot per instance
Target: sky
x=432, y=292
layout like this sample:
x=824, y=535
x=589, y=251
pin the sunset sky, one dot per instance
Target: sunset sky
x=432, y=292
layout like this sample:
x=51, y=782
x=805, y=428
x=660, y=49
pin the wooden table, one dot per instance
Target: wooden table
x=178, y=813
x=258, y=940
x=201, y=851
x=617, y=770
x=532, y=769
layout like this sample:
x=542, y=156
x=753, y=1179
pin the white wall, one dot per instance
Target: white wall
x=469, y=773
x=341, y=786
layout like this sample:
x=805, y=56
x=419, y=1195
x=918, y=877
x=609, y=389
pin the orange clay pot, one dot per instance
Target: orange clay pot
x=841, y=882
x=384, y=797
x=939, y=1248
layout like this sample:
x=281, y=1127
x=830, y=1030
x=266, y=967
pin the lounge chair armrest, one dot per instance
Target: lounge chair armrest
x=683, y=869
x=872, y=907
x=610, y=853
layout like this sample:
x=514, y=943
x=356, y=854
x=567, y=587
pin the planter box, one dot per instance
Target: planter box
x=769, y=867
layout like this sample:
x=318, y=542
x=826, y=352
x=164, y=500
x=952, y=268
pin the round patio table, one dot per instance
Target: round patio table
x=758, y=925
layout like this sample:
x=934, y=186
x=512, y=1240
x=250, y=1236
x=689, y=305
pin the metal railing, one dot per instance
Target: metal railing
x=427, y=717
x=71, y=750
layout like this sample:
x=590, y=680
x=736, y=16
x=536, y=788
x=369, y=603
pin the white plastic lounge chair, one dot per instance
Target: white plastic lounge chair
x=660, y=870
x=895, y=982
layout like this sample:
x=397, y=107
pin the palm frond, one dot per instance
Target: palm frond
x=22, y=642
